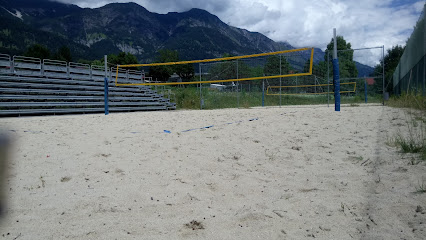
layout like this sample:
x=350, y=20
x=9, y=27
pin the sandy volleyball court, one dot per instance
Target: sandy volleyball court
x=265, y=173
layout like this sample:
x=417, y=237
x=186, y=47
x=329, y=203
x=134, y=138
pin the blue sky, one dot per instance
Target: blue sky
x=304, y=23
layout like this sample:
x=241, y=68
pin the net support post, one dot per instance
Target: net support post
x=365, y=91
x=336, y=77
x=106, y=87
x=328, y=79
x=383, y=73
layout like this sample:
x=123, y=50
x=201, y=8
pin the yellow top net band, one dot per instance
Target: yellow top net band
x=217, y=60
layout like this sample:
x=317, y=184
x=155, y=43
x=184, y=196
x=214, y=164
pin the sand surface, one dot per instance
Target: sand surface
x=264, y=173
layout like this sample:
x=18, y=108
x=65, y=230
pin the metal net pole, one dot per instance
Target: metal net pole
x=336, y=77
x=106, y=86
x=383, y=73
x=328, y=80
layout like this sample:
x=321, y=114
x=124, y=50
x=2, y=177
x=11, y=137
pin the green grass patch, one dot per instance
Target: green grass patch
x=408, y=101
x=421, y=188
x=415, y=140
x=410, y=144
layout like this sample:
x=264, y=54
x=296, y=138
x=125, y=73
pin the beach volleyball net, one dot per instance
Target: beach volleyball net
x=225, y=72
x=361, y=80
x=289, y=77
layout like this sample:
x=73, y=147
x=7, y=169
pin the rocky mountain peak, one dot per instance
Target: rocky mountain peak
x=39, y=8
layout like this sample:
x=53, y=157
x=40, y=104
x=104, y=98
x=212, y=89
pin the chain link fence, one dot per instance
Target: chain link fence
x=361, y=82
x=410, y=74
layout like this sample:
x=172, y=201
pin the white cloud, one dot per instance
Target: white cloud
x=363, y=23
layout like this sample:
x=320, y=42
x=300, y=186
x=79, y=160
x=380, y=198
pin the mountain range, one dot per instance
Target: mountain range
x=129, y=27
x=125, y=27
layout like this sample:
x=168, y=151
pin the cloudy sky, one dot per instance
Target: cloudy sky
x=304, y=23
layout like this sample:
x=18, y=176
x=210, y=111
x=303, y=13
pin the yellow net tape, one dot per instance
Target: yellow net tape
x=217, y=60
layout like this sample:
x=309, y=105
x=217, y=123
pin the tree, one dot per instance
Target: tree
x=319, y=70
x=392, y=58
x=223, y=70
x=163, y=73
x=96, y=62
x=256, y=71
x=234, y=69
x=122, y=59
x=63, y=54
x=347, y=67
x=38, y=51
x=272, y=66
x=185, y=71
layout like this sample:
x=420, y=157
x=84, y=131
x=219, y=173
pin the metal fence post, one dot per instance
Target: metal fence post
x=12, y=66
x=90, y=73
x=280, y=81
x=42, y=67
x=68, y=70
x=263, y=92
x=238, y=91
x=297, y=90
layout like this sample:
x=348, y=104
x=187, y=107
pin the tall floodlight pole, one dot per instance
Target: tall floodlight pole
x=106, y=86
x=336, y=77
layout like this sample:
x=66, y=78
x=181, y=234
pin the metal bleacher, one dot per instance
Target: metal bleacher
x=30, y=86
